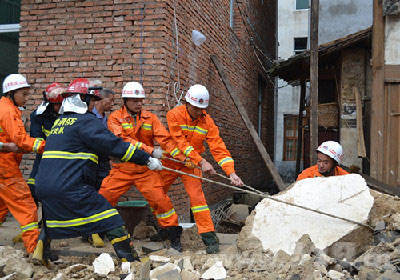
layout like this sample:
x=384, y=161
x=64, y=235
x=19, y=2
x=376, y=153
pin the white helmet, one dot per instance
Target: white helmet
x=332, y=149
x=198, y=96
x=133, y=90
x=13, y=82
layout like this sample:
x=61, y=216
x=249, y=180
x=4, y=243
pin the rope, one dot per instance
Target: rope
x=256, y=192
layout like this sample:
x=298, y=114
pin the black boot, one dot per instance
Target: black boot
x=122, y=245
x=211, y=241
x=161, y=235
x=174, y=235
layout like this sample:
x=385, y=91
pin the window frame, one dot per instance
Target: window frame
x=295, y=6
x=297, y=51
x=294, y=120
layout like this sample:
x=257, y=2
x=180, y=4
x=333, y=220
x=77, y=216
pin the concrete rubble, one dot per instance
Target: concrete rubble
x=305, y=259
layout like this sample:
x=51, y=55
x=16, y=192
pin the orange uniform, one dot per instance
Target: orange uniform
x=15, y=195
x=189, y=136
x=141, y=132
x=313, y=172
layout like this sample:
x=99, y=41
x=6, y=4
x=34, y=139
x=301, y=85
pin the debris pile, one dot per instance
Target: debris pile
x=305, y=259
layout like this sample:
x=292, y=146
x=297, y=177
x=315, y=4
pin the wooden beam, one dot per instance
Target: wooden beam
x=242, y=111
x=314, y=81
x=300, y=125
x=377, y=98
x=360, y=135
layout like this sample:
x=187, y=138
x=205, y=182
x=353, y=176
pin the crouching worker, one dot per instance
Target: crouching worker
x=65, y=182
x=329, y=157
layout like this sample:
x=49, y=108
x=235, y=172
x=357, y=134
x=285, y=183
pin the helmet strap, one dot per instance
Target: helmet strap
x=44, y=97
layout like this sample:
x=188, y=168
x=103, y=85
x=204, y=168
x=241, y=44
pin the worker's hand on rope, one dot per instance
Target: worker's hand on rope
x=206, y=167
x=154, y=164
x=157, y=153
x=235, y=180
x=189, y=163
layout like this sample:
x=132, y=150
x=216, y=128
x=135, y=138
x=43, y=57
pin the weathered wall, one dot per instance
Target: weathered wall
x=353, y=74
x=342, y=17
x=102, y=39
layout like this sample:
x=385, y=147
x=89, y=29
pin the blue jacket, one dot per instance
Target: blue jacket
x=67, y=175
x=40, y=128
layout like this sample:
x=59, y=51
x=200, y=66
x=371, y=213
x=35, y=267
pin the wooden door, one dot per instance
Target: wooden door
x=391, y=165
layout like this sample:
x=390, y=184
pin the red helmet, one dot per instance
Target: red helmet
x=77, y=86
x=54, y=93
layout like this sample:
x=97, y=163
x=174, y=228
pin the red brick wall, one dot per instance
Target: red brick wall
x=62, y=40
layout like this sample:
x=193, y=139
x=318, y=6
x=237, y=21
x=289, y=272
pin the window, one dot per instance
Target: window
x=290, y=137
x=300, y=44
x=9, y=40
x=302, y=4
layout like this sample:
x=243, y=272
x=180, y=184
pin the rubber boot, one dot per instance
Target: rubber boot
x=161, y=235
x=41, y=254
x=17, y=238
x=96, y=240
x=211, y=241
x=124, y=250
x=174, y=235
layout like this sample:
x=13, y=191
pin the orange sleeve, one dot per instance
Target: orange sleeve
x=341, y=171
x=15, y=130
x=218, y=148
x=115, y=126
x=162, y=136
x=180, y=139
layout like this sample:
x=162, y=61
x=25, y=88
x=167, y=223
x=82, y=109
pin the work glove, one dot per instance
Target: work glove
x=189, y=163
x=157, y=153
x=154, y=164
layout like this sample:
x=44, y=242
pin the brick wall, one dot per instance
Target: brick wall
x=106, y=40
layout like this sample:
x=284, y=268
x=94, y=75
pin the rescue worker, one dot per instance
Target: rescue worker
x=142, y=128
x=65, y=181
x=42, y=120
x=329, y=157
x=15, y=195
x=190, y=126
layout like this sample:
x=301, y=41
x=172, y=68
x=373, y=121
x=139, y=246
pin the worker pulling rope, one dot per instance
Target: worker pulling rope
x=259, y=193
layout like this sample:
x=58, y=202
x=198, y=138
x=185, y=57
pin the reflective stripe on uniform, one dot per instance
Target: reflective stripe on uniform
x=1, y=129
x=147, y=126
x=119, y=239
x=196, y=209
x=129, y=153
x=197, y=129
x=68, y=155
x=36, y=144
x=225, y=160
x=45, y=131
x=31, y=181
x=30, y=226
x=166, y=214
x=82, y=221
x=174, y=152
x=127, y=125
x=138, y=145
x=188, y=150
x=151, y=209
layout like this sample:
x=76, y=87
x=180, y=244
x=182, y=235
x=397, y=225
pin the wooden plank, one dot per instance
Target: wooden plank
x=360, y=135
x=314, y=81
x=242, y=111
x=300, y=125
x=392, y=72
x=377, y=98
x=380, y=186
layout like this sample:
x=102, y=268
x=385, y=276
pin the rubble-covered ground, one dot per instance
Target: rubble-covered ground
x=379, y=260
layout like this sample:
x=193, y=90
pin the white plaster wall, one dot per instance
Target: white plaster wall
x=292, y=23
x=392, y=39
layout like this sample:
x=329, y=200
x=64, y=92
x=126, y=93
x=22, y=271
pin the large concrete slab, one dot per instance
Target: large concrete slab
x=279, y=226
